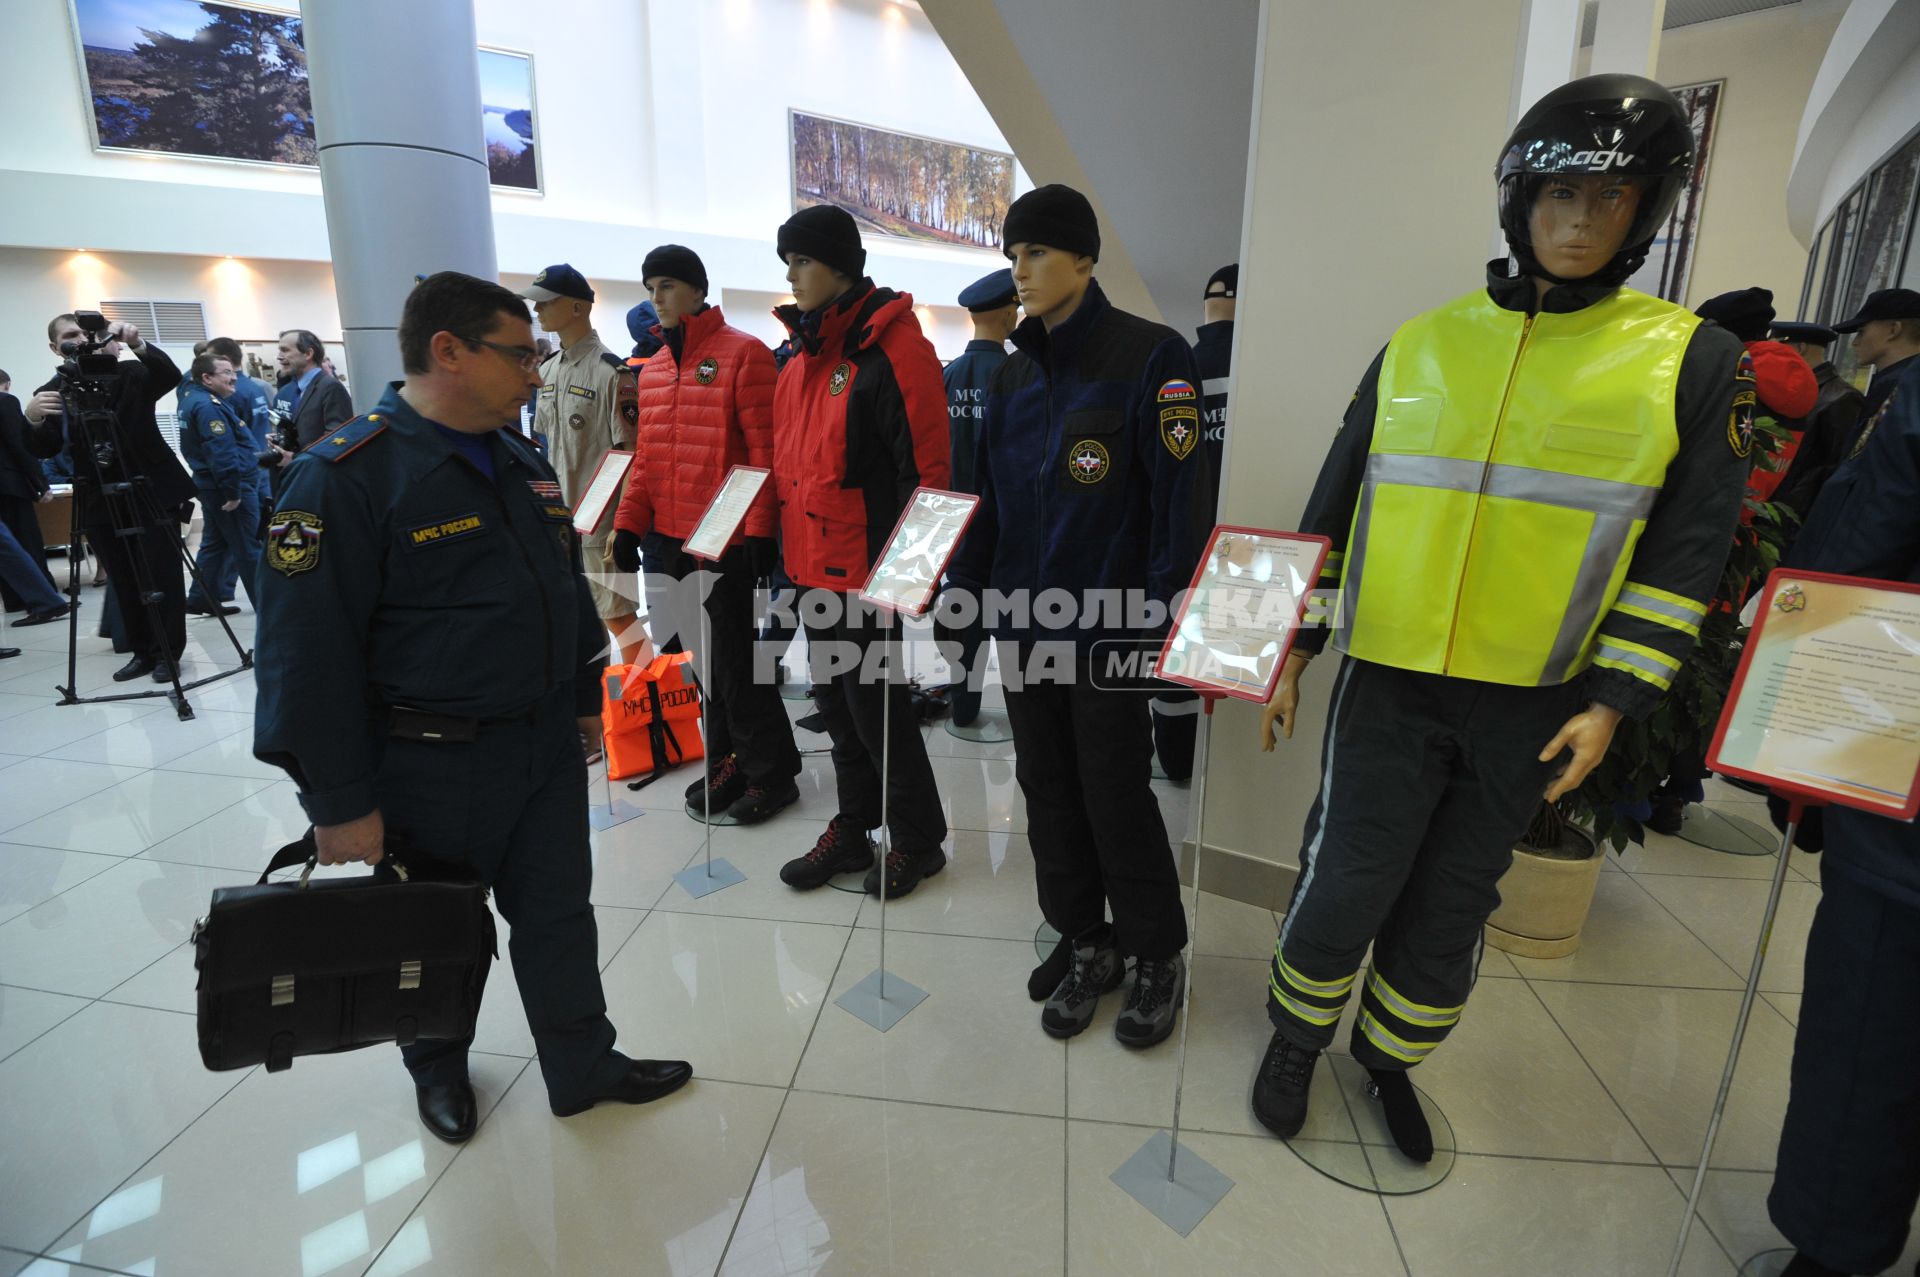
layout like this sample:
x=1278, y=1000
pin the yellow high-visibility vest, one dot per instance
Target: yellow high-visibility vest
x=1515, y=460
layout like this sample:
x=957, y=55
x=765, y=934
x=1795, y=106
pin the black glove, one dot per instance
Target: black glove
x=763, y=553
x=185, y=513
x=626, y=550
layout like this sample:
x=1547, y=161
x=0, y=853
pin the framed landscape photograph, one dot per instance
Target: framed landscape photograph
x=1669, y=264
x=899, y=184
x=217, y=80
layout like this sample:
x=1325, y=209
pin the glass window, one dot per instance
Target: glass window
x=1839, y=255
x=1808, y=312
x=1883, y=226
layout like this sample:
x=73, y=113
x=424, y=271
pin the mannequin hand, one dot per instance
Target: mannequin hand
x=1286, y=699
x=1587, y=734
x=363, y=839
x=625, y=549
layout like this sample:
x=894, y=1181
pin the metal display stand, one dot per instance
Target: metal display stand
x=709, y=875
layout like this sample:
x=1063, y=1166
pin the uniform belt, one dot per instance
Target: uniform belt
x=410, y=723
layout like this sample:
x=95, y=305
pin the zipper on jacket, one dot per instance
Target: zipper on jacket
x=1480, y=500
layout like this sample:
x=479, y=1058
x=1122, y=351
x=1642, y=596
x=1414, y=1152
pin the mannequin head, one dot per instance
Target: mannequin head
x=1218, y=309
x=1886, y=341
x=996, y=325
x=1222, y=292
x=1051, y=282
x=1579, y=221
x=1814, y=355
x=567, y=318
x=674, y=299
x=813, y=283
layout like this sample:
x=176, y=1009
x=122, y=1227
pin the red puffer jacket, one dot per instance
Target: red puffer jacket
x=701, y=413
x=859, y=422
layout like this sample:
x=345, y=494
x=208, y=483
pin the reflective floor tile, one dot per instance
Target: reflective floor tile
x=1496, y=1216
x=228, y=756
x=1496, y=965
x=986, y=890
x=13, y=704
x=12, y=1262
x=1660, y=1054
x=90, y=938
x=1733, y=1205
x=865, y=1186
x=1727, y=915
x=1672, y=855
x=653, y=1188
x=232, y=695
x=94, y=1099
x=171, y=983
x=127, y=818
x=634, y=862
x=241, y=837
x=25, y=1014
x=1787, y=1004
x=502, y=1027
x=42, y=785
x=1630, y=939
x=29, y=875
x=309, y=1188
x=735, y=996
x=154, y=739
x=980, y=794
x=51, y=726
x=1281, y=1216
x=975, y=1042
x=758, y=851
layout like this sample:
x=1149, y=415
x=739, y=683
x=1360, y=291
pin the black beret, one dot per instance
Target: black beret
x=1744, y=313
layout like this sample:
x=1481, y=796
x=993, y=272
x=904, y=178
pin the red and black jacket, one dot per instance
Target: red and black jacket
x=859, y=422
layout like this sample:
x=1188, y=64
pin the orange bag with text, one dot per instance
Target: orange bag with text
x=651, y=714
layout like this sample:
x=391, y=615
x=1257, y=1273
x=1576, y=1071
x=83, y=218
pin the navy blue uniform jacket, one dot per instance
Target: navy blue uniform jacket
x=966, y=380
x=216, y=443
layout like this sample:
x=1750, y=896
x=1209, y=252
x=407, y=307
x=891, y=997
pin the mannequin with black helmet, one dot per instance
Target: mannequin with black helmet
x=1530, y=503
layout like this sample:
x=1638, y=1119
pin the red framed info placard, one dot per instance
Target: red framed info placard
x=1238, y=618
x=609, y=481
x=907, y=574
x=1826, y=703
x=724, y=513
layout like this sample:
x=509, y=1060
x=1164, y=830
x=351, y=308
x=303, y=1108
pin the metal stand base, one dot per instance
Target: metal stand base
x=1350, y=1143
x=882, y=1012
x=708, y=877
x=618, y=813
x=1735, y=835
x=1043, y=941
x=1768, y=1263
x=796, y=688
x=1182, y=1201
x=990, y=728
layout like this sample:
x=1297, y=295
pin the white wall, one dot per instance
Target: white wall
x=1863, y=104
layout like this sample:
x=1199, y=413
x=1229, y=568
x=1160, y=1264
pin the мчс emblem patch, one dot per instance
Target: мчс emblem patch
x=1179, y=429
x=709, y=369
x=1087, y=461
x=841, y=376
x=293, y=542
x=441, y=531
x=1740, y=424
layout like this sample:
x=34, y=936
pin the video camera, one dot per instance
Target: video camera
x=90, y=386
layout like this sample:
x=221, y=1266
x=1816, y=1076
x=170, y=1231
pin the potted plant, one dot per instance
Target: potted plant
x=1545, y=896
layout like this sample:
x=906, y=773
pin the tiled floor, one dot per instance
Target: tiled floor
x=963, y=1141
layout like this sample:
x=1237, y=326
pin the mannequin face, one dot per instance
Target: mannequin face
x=813, y=283
x=561, y=313
x=673, y=299
x=1050, y=281
x=1579, y=222
x=1218, y=309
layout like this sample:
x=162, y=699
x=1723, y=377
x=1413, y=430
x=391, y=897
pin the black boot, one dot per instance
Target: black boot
x=843, y=848
x=1280, y=1087
x=1405, y=1120
x=1047, y=976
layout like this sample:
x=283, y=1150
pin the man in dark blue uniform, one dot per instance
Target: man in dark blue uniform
x=995, y=308
x=220, y=452
x=1886, y=332
x=1848, y=1175
x=1094, y=487
x=429, y=660
x=1176, y=714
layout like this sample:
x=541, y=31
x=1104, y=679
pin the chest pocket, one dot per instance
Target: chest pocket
x=1095, y=451
x=451, y=557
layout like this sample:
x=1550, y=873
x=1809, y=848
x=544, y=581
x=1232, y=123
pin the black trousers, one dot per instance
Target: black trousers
x=149, y=560
x=1083, y=756
x=1425, y=784
x=1848, y=1176
x=23, y=520
x=851, y=658
x=744, y=717
x=510, y=807
x=1176, y=726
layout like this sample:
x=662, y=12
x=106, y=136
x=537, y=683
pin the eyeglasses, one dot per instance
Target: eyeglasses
x=526, y=357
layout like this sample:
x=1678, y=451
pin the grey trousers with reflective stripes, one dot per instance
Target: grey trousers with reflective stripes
x=1426, y=783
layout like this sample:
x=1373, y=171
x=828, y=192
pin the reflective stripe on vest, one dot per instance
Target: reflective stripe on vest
x=1514, y=464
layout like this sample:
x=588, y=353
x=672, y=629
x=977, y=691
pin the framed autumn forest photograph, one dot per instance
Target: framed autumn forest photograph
x=899, y=184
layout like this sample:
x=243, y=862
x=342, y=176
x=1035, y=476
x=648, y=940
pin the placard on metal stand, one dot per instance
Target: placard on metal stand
x=619, y=810
x=903, y=582
x=708, y=542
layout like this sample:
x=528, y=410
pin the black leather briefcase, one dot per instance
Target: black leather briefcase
x=312, y=967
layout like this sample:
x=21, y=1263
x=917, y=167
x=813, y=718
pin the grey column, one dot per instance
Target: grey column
x=403, y=166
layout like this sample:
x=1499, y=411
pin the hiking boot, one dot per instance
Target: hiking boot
x=1147, y=1016
x=761, y=801
x=905, y=871
x=1096, y=968
x=844, y=848
x=726, y=783
x=1280, y=1087
x=1668, y=815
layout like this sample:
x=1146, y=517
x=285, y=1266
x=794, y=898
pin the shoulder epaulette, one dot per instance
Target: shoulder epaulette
x=349, y=438
x=613, y=361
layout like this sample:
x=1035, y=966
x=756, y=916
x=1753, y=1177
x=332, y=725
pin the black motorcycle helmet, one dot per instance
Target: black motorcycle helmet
x=1603, y=124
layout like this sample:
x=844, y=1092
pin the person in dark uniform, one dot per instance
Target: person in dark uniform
x=1826, y=430
x=1886, y=335
x=995, y=308
x=1847, y=1177
x=1176, y=714
x=214, y=439
x=429, y=662
x=23, y=485
x=1552, y=428
x=1092, y=482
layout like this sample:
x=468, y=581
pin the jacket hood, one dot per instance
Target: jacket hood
x=853, y=323
x=1785, y=384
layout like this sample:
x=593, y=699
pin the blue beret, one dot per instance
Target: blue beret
x=989, y=293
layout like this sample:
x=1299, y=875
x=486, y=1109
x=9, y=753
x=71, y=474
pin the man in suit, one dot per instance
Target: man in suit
x=22, y=484
x=311, y=398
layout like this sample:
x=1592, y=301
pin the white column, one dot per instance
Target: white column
x=1543, y=60
x=1626, y=39
x=403, y=167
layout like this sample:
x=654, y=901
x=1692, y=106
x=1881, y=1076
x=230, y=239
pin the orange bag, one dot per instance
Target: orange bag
x=651, y=714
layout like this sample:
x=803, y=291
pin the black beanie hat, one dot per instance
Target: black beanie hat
x=1055, y=215
x=826, y=233
x=1745, y=313
x=675, y=261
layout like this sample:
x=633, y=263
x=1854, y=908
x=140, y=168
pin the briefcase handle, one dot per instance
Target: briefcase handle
x=306, y=851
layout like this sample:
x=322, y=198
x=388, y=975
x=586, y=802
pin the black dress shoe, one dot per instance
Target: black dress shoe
x=5, y=652
x=202, y=609
x=449, y=1110
x=162, y=672
x=43, y=618
x=646, y=1081
x=134, y=669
